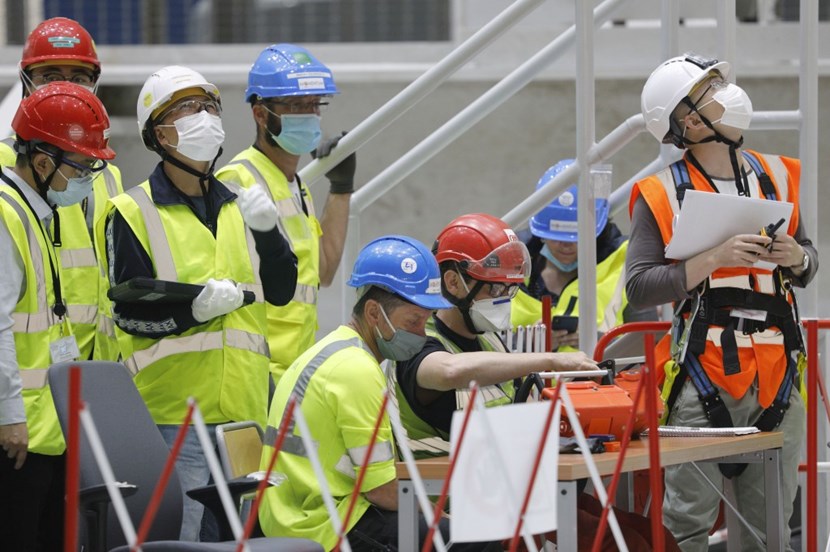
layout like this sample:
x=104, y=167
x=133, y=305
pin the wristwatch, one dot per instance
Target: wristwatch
x=805, y=263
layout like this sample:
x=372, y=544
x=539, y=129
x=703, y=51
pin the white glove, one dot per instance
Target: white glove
x=258, y=210
x=217, y=298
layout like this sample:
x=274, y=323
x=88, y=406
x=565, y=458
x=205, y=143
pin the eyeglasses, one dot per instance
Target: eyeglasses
x=83, y=170
x=191, y=107
x=301, y=107
x=82, y=78
x=499, y=289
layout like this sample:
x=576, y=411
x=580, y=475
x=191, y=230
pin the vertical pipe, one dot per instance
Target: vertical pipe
x=586, y=221
x=808, y=189
x=669, y=23
x=726, y=32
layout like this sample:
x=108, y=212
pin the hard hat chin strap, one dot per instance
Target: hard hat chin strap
x=464, y=304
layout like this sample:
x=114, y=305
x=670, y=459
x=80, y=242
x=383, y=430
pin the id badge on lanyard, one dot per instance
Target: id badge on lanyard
x=64, y=349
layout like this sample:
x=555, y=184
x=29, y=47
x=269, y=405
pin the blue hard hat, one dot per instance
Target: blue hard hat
x=558, y=220
x=403, y=266
x=288, y=70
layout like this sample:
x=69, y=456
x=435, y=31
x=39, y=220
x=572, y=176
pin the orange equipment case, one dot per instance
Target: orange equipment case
x=604, y=409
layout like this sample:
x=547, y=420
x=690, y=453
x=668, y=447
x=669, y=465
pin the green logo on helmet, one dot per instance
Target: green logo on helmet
x=301, y=58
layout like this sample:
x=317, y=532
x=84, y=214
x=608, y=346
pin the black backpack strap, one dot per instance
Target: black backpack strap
x=767, y=187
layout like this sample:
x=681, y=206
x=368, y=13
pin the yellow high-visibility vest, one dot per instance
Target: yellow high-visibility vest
x=291, y=328
x=339, y=388
x=35, y=325
x=611, y=297
x=222, y=363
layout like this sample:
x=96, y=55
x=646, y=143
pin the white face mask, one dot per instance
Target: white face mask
x=737, y=107
x=200, y=136
x=491, y=315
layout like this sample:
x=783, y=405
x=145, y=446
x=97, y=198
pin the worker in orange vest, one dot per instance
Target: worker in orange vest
x=733, y=356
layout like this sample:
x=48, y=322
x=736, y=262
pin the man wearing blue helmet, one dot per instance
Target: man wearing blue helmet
x=553, y=250
x=339, y=384
x=287, y=89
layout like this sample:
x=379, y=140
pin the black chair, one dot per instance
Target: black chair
x=137, y=453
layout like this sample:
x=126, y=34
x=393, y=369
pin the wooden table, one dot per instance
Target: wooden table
x=757, y=448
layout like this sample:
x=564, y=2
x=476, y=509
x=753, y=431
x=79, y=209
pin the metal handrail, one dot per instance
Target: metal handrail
x=472, y=114
x=419, y=88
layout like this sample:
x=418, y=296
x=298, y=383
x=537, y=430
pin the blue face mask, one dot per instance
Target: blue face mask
x=300, y=133
x=77, y=189
x=570, y=267
x=403, y=345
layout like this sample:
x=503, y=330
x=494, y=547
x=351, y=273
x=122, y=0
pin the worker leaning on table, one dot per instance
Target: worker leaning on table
x=339, y=387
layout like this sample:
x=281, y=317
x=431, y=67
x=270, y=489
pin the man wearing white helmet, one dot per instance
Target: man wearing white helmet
x=287, y=89
x=735, y=352
x=184, y=225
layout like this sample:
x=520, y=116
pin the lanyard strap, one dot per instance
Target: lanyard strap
x=741, y=181
x=59, y=308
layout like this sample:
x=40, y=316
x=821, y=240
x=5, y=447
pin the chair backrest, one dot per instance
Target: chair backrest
x=240, y=447
x=135, y=448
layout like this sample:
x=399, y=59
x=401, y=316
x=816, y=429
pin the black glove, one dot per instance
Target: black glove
x=342, y=175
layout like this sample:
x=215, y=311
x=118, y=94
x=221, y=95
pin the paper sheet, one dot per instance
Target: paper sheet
x=486, y=496
x=707, y=220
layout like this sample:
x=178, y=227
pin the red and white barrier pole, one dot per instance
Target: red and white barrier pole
x=73, y=464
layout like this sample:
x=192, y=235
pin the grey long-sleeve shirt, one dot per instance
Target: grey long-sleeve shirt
x=654, y=280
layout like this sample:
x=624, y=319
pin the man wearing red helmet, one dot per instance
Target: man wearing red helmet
x=58, y=50
x=482, y=263
x=62, y=132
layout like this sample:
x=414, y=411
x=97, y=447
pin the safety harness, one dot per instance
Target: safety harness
x=713, y=307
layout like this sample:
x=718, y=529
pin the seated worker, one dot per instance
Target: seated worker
x=339, y=385
x=184, y=225
x=553, y=252
x=482, y=263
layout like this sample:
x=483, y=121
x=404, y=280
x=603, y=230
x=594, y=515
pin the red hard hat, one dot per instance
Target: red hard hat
x=67, y=116
x=485, y=247
x=59, y=40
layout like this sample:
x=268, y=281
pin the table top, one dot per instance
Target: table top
x=673, y=450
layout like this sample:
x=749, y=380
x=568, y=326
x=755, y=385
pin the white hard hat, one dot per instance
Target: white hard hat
x=159, y=89
x=669, y=84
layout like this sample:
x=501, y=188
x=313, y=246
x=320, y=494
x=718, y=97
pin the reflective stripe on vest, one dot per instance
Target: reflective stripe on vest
x=293, y=444
x=78, y=258
x=33, y=378
x=162, y=255
x=200, y=342
x=35, y=325
x=111, y=182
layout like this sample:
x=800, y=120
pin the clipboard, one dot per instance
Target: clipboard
x=707, y=220
x=149, y=290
